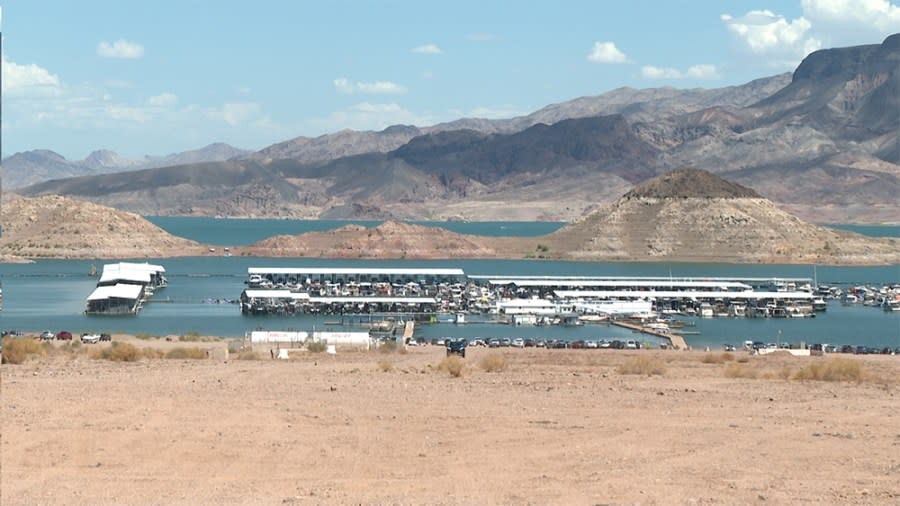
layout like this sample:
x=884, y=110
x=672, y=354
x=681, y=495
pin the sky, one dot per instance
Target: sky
x=157, y=77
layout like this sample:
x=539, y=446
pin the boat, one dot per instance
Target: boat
x=706, y=310
x=891, y=304
x=819, y=304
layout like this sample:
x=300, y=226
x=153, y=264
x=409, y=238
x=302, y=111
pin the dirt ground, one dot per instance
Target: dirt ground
x=554, y=427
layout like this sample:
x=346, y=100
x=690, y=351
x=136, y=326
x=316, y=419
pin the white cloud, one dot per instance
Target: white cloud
x=606, y=52
x=237, y=113
x=120, y=49
x=852, y=22
x=347, y=87
x=163, y=100
x=427, y=49
x=702, y=71
x=28, y=80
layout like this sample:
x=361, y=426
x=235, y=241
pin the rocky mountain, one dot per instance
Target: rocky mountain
x=823, y=145
x=32, y=167
x=61, y=227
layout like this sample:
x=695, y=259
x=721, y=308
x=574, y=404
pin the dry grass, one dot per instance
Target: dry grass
x=721, y=358
x=493, y=363
x=642, y=365
x=741, y=371
x=317, y=346
x=186, y=353
x=18, y=350
x=119, y=352
x=453, y=365
x=835, y=369
x=385, y=366
x=391, y=347
x=194, y=337
x=247, y=355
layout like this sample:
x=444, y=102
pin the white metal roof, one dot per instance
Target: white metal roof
x=525, y=303
x=718, y=285
x=119, y=291
x=119, y=272
x=355, y=270
x=377, y=300
x=604, y=294
x=144, y=266
x=276, y=294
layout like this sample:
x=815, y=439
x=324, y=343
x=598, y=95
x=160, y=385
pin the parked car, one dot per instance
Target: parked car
x=90, y=338
x=518, y=342
x=494, y=343
x=728, y=347
x=105, y=337
x=47, y=335
x=456, y=346
x=64, y=335
x=631, y=344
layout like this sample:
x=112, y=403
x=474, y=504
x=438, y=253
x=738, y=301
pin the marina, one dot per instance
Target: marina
x=124, y=287
x=202, y=297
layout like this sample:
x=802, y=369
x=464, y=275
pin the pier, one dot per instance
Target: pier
x=675, y=340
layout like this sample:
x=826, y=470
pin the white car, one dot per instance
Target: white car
x=90, y=338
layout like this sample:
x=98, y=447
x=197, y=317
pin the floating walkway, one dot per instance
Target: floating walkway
x=675, y=340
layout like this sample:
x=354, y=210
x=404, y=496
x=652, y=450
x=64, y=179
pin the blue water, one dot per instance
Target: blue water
x=243, y=232
x=50, y=294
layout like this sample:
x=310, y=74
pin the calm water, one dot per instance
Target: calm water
x=243, y=232
x=51, y=295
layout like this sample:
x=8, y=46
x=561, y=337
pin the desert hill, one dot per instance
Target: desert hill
x=687, y=215
x=62, y=227
x=693, y=215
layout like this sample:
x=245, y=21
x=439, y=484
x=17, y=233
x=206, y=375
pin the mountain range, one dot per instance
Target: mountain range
x=821, y=143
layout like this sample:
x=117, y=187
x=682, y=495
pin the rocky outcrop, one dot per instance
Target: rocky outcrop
x=61, y=227
x=388, y=240
x=700, y=217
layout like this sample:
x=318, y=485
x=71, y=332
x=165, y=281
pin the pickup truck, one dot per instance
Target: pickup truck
x=90, y=338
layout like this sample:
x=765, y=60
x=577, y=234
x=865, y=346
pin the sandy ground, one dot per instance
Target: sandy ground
x=555, y=427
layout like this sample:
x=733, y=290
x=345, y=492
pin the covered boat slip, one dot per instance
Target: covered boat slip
x=306, y=275
x=286, y=301
x=124, y=286
x=133, y=273
x=115, y=299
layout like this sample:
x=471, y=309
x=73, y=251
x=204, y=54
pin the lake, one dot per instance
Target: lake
x=50, y=294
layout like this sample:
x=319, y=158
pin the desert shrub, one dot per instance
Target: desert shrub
x=186, y=353
x=18, y=350
x=317, y=346
x=452, y=365
x=836, y=369
x=642, y=365
x=385, y=366
x=152, y=353
x=743, y=360
x=247, y=355
x=493, y=363
x=741, y=371
x=119, y=352
x=193, y=337
x=391, y=347
x=713, y=358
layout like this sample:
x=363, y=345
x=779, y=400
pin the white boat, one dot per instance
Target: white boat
x=891, y=304
x=706, y=310
x=819, y=304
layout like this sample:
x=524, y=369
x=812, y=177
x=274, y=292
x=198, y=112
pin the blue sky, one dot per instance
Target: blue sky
x=152, y=78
